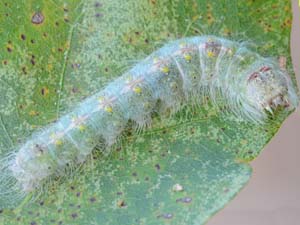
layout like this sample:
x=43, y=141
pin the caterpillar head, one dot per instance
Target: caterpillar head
x=269, y=88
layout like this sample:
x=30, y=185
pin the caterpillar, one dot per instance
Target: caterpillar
x=181, y=71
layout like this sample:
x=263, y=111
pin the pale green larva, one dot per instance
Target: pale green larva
x=175, y=74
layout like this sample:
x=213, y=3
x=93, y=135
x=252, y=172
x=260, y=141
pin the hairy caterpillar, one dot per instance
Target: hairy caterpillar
x=180, y=72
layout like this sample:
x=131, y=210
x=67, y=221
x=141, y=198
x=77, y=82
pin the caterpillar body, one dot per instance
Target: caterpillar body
x=179, y=72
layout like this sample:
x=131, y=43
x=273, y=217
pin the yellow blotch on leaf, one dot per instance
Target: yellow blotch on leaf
x=33, y=113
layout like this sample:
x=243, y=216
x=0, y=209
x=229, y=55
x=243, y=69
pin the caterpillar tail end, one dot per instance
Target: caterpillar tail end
x=11, y=192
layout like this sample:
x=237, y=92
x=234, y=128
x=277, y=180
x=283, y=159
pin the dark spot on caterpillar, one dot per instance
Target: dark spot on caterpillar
x=121, y=204
x=78, y=194
x=92, y=199
x=37, y=18
x=184, y=200
x=74, y=215
x=32, y=41
x=9, y=49
x=157, y=166
x=33, y=223
x=23, y=37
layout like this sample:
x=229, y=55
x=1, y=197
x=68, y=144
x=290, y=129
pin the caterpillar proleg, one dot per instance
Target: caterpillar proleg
x=181, y=71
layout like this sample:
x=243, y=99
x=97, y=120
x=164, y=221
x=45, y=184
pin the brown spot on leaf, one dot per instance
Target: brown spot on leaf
x=23, y=37
x=121, y=203
x=74, y=215
x=92, y=199
x=157, y=166
x=37, y=18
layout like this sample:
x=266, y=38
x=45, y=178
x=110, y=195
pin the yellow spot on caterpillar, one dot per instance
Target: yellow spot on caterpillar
x=230, y=52
x=165, y=69
x=188, y=57
x=55, y=139
x=108, y=109
x=210, y=54
x=182, y=45
x=81, y=127
x=58, y=142
x=155, y=60
x=137, y=90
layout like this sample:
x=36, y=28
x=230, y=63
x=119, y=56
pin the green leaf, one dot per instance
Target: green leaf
x=54, y=53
